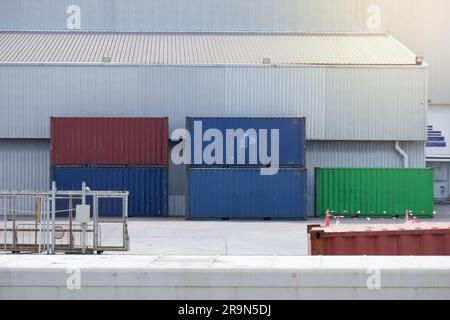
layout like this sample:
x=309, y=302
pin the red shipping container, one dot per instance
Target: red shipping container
x=109, y=141
x=421, y=239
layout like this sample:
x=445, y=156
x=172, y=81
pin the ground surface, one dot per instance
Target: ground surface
x=176, y=236
x=180, y=237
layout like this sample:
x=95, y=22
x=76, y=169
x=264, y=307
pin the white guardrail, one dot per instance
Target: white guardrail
x=223, y=277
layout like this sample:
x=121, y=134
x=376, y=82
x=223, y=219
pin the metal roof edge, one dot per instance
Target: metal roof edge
x=259, y=65
x=199, y=32
x=401, y=44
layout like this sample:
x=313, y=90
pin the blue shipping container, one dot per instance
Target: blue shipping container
x=291, y=138
x=243, y=193
x=147, y=187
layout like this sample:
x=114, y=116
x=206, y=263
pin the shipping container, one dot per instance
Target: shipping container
x=243, y=193
x=353, y=154
x=421, y=239
x=109, y=141
x=255, y=136
x=147, y=187
x=374, y=192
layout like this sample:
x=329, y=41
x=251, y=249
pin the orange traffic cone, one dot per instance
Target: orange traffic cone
x=407, y=216
x=327, y=218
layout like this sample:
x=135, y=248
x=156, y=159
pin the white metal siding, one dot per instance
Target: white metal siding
x=256, y=15
x=339, y=103
x=422, y=25
x=437, y=50
x=190, y=15
x=354, y=154
x=216, y=15
x=24, y=165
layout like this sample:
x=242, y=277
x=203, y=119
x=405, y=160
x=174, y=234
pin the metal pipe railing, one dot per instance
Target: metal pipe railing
x=40, y=234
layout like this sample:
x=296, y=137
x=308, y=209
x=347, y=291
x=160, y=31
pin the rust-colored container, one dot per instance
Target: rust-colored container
x=421, y=239
x=109, y=141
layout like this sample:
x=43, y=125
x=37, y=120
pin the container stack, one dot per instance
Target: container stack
x=129, y=154
x=229, y=188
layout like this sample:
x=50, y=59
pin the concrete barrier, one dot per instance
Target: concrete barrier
x=223, y=277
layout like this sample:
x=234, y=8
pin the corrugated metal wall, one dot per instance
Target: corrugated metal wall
x=404, y=18
x=437, y=50
x=210, y=15
x=422, y=25
x=190, y=15
x=24, y=165
x=348, y=154
x=339, y=103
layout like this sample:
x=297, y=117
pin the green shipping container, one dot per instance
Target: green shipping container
x=374, y=193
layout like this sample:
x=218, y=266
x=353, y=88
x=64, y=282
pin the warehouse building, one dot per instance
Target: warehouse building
x=364, y=95
x=421, y=25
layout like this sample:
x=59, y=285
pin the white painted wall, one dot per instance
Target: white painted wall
x=439, y=118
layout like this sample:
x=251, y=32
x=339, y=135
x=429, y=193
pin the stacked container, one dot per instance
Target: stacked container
x=374, y=192
x=117, y=154
x=231, y=189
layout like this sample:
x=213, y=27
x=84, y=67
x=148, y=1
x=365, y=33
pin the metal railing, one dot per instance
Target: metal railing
x=44, y=229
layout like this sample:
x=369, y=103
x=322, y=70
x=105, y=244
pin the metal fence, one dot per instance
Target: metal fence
x=48, y=230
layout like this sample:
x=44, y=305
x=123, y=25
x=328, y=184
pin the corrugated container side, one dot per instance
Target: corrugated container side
x=374, y=192
x=109, y=141
x=292, y=135
x=147, y=187
x=243, y=193
x=423, y=239
x=353, y=154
